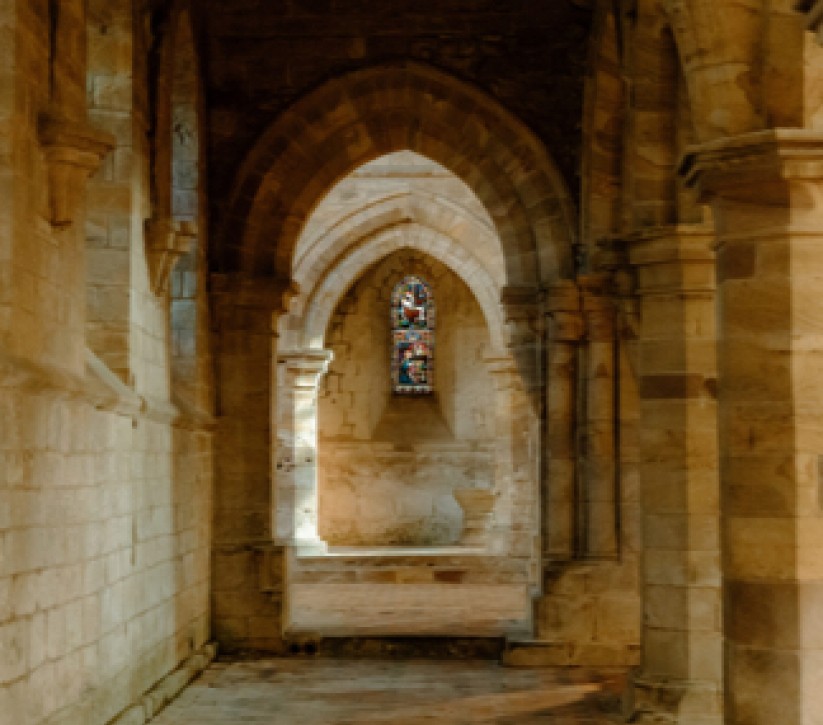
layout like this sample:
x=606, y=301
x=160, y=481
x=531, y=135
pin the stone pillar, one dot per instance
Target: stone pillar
x=244, y=311
x=681, y=675
x=519, y=382
x=514, y=530
x=765, y=189
x=295, y=476
x=599, y=504
x=565, y=330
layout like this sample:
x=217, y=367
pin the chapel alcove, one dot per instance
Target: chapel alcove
x=389, y=462
x=400, y=512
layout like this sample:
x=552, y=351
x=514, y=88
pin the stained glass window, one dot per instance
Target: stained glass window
x=412, y=318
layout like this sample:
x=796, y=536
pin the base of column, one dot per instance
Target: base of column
x=673, y=702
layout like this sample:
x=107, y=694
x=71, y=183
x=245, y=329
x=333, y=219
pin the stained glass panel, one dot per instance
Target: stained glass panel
x=412, y=316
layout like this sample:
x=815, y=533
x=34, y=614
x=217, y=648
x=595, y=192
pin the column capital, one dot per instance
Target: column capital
x=167, y=240
x=754, y=167
x=307, y=366
x=73, y=151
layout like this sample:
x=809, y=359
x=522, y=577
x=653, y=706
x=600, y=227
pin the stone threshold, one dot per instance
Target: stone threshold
x=150, y=705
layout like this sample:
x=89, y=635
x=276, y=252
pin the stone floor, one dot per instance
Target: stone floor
x=412, y=692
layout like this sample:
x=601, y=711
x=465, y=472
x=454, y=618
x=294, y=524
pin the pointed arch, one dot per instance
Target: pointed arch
x=427, y=210
x=324, y=297
x=405, y=105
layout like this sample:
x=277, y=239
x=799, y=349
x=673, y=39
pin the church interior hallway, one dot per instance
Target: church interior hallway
x=409, y=692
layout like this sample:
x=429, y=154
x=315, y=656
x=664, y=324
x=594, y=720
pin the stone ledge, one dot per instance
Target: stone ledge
x=100, y=388
x=167, y=689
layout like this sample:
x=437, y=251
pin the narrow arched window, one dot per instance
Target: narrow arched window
x=412, y=319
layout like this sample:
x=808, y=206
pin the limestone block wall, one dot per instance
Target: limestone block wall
x=105, y=492
x=105, y=574
x=388, y=464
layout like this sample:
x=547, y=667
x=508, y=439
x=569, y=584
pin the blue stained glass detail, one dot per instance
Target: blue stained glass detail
x=412, y=317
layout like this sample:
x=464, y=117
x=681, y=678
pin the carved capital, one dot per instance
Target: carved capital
x=305, y=368
x=166, y=242
x=73, y=152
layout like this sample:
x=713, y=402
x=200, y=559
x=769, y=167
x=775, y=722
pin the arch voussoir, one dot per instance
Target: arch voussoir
x=352, y=120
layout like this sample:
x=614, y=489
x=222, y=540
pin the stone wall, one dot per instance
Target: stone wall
x=388, y=464
x=105, y=489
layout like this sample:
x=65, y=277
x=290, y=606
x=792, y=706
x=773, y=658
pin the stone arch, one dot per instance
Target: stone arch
x=324, y=297
x=719, y=64
x=405, y=105
x=416, y=207
x=634, y=143
x=430, y=210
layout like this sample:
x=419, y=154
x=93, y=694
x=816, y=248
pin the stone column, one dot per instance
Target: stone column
x=244, y=310
x=765, y=189
x=515, y=531
x=681, y=674
x=599, y=505
x=565, y=330
x=519, y=382
x=295, y=476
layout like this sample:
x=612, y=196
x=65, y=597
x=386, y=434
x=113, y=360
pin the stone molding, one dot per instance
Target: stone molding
x=167, y=241
x=73, y=152
x=100, y=388
x=754, y=167
x=305, y=367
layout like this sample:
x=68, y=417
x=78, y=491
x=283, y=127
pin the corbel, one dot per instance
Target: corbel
x=73, y=152
x=167, y=241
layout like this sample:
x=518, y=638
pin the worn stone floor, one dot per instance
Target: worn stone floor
x=410, y=692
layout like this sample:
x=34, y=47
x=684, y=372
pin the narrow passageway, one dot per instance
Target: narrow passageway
x=411, y=692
